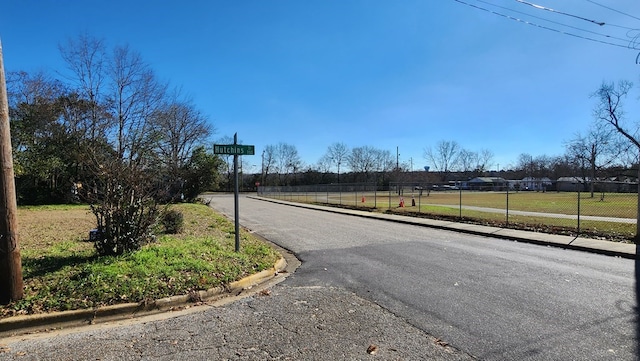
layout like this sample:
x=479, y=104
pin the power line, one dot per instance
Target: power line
x=631, y=45
x=614, y=10
x=560, y=12
x=555, y=22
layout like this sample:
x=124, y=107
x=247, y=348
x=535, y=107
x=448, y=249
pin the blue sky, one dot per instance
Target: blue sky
x=387, y=74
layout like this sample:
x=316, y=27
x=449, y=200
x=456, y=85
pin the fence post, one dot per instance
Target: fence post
x=578, y=212
x=460, y=203
x=375, y=195
x=507, y=205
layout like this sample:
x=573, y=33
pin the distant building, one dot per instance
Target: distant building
x=535, y=184
x=572, y=184
x=583, y=184
x=487, y=184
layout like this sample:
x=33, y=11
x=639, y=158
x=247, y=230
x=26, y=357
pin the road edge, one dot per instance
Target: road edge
x=616, y=249
x=27, y=324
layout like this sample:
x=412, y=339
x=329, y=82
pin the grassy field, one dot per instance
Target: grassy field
x=447, y=204
x=61, y=270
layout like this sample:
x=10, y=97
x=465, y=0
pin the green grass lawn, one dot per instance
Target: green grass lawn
x=62, y=272
x=438, y=204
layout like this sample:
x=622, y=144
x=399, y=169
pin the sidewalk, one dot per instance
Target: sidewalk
x=624, y=250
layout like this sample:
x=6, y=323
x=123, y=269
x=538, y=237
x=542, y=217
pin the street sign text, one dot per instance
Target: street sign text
x=234, y=149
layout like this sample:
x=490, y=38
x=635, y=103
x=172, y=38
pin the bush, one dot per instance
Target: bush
x=125, y=210
x=123, y=227
x=173, y=221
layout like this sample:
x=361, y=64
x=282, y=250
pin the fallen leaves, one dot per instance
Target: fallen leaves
x=442, y=343
x=265, y=292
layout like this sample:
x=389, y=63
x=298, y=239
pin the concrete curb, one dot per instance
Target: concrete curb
x=20, y=325
x=617, y=249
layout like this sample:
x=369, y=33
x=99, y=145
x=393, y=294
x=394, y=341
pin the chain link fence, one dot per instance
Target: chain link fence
x=601, y=210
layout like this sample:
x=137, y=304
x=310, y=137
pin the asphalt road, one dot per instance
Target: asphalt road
x=490, y=298
x=375, y=290
x=290, y=323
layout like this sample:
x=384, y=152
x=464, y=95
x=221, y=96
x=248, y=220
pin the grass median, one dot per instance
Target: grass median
x=61, y=270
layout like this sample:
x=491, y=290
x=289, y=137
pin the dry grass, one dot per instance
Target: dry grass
x=42, y=227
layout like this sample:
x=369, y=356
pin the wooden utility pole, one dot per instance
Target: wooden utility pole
x=10, y=262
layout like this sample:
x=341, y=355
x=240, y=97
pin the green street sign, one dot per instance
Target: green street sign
x=234, y=149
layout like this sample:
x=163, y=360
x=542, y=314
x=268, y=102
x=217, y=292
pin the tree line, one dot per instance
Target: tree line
x=598, y=153
x=109, y=111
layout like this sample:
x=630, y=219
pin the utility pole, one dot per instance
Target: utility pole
x=10, y=262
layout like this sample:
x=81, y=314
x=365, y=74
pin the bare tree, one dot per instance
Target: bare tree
x=562, y=166
x=610, y=110
x=485, y=160
x=363, y=160
x=445, y=157
x=288, y=161
x=179, y=127
x=474, y=162
x=86, y=58
x=269, y=156
x=526, y=164
x=599, y=149
x=467, y=160
x=135, y=95
x=282, y=159
x=337, y=154
x=384, y=161
x=324, y=164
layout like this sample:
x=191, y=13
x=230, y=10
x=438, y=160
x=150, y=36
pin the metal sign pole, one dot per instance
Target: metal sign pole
x=236, y=200
x=235, y=149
